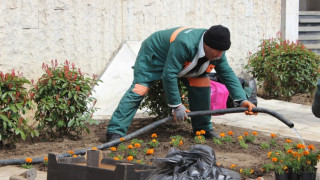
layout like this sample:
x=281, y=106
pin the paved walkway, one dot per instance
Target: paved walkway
x=304, y=122
x=307, y=125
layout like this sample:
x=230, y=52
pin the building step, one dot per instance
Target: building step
x=309, y=13
x=309, y=28
x=312, y=46
x=309, y=20
x=309, y=37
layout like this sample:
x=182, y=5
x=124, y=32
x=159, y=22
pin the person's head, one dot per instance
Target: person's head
x=216, y=40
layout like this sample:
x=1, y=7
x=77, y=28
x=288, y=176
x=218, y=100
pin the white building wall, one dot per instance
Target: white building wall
x=89, y=32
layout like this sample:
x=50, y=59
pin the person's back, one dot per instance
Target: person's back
x=316, y=102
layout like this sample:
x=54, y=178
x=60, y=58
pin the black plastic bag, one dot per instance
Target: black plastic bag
x=197, y=163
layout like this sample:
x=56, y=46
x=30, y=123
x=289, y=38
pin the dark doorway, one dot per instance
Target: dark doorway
x=309, y=5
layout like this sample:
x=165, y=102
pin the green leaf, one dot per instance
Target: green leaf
x=70, y=123
x=6, y=109
x=4, y=96
x=4, y=125
x=5, y=118
x=62, y=106
x=19, y=106
x=65, y=85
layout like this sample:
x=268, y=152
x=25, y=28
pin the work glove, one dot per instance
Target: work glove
x=180, y=113
x=249, y=105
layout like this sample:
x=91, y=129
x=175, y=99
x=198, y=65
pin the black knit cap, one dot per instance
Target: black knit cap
x=217, y=37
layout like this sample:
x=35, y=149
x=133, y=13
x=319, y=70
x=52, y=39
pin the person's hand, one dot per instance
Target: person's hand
x=249, y=105
x=180, y=113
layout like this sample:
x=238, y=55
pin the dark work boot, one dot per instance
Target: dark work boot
x=211, y=134
x=113, y=136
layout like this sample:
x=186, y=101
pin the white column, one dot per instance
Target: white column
x=291, y=24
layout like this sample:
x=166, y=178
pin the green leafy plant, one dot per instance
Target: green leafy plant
x=153, y=143
x=64, y=104
x=176, y=140
x=250, y=137
x=14, y=101
x=242, y=142
x=122, y=147
x=155, y=101
x=301, y=158
x=265, y=145
x=217, y=141
x=199, y=139
x=246, y=172
x=279, y=161
x=27, y=163
x=284, y=68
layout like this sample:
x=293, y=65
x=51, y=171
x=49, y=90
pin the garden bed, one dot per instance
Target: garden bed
x=227, y=154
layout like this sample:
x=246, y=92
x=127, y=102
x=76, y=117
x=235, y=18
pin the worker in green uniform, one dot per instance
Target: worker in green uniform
x=180, y=53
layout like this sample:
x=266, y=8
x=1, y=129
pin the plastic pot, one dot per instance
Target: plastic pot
x=293, y=176
x=281, y=176
x=307, y=176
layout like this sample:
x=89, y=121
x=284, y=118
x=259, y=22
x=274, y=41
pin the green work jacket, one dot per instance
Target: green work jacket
x=159, y=59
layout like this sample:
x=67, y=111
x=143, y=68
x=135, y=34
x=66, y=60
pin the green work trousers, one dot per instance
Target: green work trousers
x=199, y=100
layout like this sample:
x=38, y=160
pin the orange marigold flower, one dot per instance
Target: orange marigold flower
x=28, y=160
x=254, y=133
x=240, y=170
x=130, y=146
x=222, y=134
x=122, y=139
x=230, y=133
x=288, y=140
x=137, y=145
x=301, y=146
x=94, y=148
x=150, y=151
x=251, y=171
x=180, y=143
x=308, y=162
x=269, y=154
x=74, y=155
x=113, y=148
x=70, y=152
x=289, y=151
x=154, y=135
x=202, y=132
x=245, y=133
x=262, y=170
x=311, y=147
x=130, y=158
x=274, y=159
x=233, y=166
x=198, y=133
x=45, y=159
x=285, y=167
x=116, y=158
x=199, y=137
x=154, y=140
x=240, y=138
x=273, y=135
x=306, y=153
